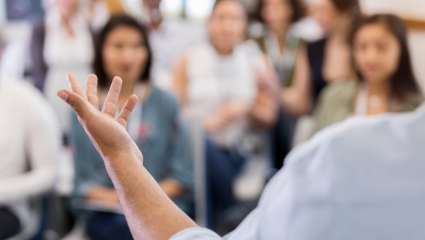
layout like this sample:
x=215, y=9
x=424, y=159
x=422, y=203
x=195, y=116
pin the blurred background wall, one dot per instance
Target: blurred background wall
x=16, y=17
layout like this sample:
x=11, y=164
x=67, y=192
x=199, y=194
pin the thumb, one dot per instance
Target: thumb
x=75, y=101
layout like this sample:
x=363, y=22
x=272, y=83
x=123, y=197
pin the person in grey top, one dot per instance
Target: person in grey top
x=123, y=50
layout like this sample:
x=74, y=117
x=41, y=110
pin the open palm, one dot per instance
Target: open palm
x=106, y=131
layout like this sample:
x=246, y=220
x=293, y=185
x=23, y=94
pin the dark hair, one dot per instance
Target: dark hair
x=115, y=22
x=351, y=7
x=403, y=82
x=298, y=10
x=217, y=2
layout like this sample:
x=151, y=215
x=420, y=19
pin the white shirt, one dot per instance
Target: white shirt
x=29, y=138
x=168, y=43
x=63, y=55
x=214, y=80
x=361, y=179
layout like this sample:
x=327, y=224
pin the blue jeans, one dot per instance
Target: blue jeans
x=107, y=226
x=222, y=167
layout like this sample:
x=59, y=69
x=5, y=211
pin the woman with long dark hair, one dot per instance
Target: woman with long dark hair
x=385, y=78
x=123, y=50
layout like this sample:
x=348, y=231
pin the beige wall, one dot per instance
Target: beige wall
x=414, y=8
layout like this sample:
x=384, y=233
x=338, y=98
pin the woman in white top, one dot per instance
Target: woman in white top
x=217, y=84
x=29, y=144
x=62, y=43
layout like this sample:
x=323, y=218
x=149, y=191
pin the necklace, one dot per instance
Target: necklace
x=136, y=118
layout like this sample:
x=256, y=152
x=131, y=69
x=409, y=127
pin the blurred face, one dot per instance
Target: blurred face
x=68, y=8
x=325, y=13
x=276, y=13
x=125, y=54
x=151, y=4
x=227, y=26
x=376, y=53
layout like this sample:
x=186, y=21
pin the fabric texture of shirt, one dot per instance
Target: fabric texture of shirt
x=361, y=179
x=64, y=54
x=161, y=135
x=183, y=35
x=29, y=146
x=338, y=102
x=284, y=62
x=215, y=80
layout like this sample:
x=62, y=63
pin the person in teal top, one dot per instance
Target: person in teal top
x=123, y=50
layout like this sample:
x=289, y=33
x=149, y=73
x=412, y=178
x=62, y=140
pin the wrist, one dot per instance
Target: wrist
x=124, y=154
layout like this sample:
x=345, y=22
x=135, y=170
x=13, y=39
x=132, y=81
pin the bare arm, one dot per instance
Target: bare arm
x=172, y=187
x=149, y=212
x=179, y=83
x=264, y=110
x=225, y=115
x=297, y=98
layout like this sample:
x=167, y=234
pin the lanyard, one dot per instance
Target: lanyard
x=136, y=118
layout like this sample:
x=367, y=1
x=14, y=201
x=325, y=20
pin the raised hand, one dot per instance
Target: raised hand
x=106, y=131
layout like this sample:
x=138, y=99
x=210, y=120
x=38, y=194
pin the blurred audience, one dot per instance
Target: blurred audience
x=97, y=14
x=282, y=47
x=123, y=50
x=29, y=143
x=61, y=43
x=247, y=96
x=385, y=78
x=278, y=42
x=170, y=38
x=216, y=83
x=324, y=61
x=329, y=58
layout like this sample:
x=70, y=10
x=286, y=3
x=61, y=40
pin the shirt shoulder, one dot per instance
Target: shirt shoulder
x=28, y=100
x=336, y=103
x=22, y=92
x=344, y=91
x=165, y=100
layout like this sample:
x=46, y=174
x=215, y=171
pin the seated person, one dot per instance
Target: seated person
x=335, y=18
x=340, y=185
x=29, y=146
x=217, y=85
x=123, y=50
x=60, y=43
x=282, y=48
x=385, y=83
x=170, y=37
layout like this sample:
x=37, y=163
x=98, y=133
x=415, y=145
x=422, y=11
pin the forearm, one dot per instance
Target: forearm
x=264, y=111
x=237, y=110
x=150, y=213
x=295, y=102
x=226, y=115
x=27, y=184
x=172, y=188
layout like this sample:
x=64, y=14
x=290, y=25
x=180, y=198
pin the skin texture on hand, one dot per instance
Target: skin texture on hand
x=149, y=211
